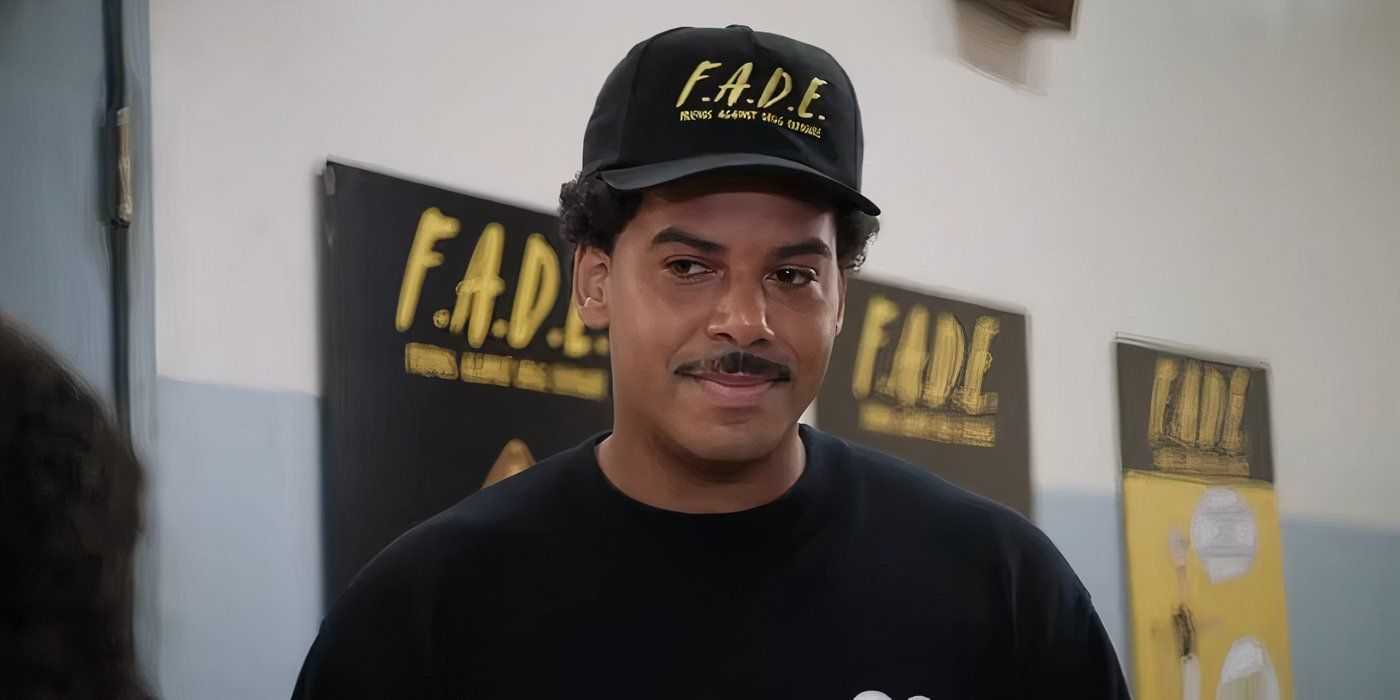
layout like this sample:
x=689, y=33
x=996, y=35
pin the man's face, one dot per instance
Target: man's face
x=722, y=297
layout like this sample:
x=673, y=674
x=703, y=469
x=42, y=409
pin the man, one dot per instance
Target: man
x=709, y=545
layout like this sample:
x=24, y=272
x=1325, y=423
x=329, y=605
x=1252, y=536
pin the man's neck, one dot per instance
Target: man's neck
x=664, y=475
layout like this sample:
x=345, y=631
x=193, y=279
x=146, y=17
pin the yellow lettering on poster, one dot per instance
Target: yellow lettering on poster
x=583, y=382
x=932, y=393
x=429, y=361
x=879, y=312
x=433, y=226
x=481, y=368
x=1195, y=418
x=947, y=362
x=576, y=342
x=1163, y=376
x=1213, y=400
x=970, y=397
x=1186, y=421
x=532, y=375
x=482, y=283
x=903, y=382
x=560, y=378
x=937, y=426
x=1232, y=440
x=537, y=291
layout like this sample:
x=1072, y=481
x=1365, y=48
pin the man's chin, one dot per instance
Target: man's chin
x=733, y=441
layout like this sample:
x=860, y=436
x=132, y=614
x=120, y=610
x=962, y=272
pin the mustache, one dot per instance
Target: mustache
x=736, y=362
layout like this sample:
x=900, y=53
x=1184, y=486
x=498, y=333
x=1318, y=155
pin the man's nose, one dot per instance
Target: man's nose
x=741, y=315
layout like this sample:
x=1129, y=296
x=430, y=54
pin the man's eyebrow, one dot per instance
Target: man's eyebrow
x=671, y=234
x=810, y=246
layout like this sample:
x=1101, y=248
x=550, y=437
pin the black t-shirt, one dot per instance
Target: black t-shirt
x=868, y=574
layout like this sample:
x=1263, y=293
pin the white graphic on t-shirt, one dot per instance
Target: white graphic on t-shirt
x=877, y=695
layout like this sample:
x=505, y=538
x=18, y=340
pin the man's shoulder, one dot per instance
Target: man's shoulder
x=383, y=629
x=976, y=531
x=896, y=482
x=914, y=496
x=465, y=536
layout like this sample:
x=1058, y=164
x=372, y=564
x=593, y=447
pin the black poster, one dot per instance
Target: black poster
x=1192, y=416
x=453, y=356
x=940, y=383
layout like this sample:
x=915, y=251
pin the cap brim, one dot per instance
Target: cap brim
x=640, y=177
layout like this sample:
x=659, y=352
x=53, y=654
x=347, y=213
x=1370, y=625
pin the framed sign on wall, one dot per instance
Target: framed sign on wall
x=1200, y=526
x=452, y=355
x=938, y=382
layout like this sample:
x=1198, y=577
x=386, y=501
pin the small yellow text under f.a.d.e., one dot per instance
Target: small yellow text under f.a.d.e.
x=561, y=378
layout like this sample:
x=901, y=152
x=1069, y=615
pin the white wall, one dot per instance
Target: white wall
x=1221, y=174
x=1220, y=177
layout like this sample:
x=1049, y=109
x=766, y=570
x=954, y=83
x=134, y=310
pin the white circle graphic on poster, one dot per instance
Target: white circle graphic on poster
x=1224, y=533
x=1247, y=673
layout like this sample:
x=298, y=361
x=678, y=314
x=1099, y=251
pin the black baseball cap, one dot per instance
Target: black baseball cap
x=699, y=100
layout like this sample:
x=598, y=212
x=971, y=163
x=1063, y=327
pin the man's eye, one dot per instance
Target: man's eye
x=685, y=268
x=793, y=276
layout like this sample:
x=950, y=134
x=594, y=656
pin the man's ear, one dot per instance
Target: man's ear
x=591, y=269
x=840, y=301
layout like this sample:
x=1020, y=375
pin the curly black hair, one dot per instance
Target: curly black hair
x=593, y=213
x=70, y=486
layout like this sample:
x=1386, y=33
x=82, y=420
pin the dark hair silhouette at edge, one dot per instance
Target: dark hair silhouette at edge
x=70, y=486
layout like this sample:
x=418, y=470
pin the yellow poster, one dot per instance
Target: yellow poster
x=1200, y=519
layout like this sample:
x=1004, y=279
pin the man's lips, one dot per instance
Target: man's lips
x=734, y=379
x=740, y=391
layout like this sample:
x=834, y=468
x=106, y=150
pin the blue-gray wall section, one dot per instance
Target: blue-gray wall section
x=239, y=552
x=1343, y=586
x=53, y=250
